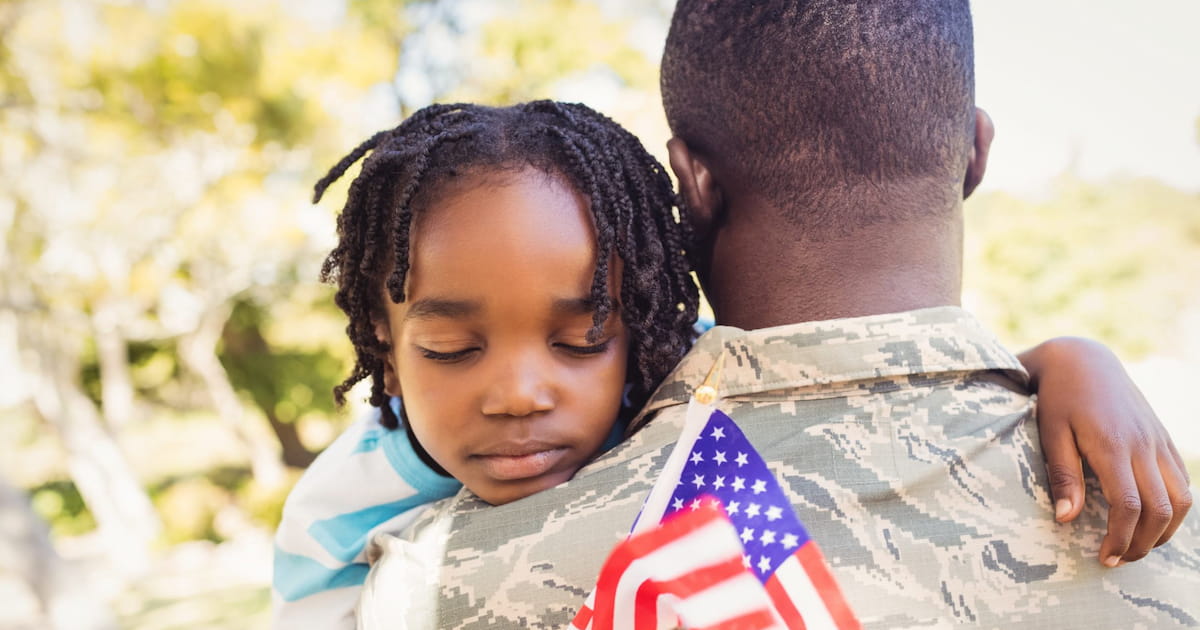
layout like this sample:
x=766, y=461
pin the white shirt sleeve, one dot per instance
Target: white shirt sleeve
x=368, y=480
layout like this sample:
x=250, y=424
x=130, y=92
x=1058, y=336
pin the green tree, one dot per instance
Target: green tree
x=155, y=162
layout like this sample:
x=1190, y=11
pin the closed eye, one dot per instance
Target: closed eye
x=584, y=351
x=446, y=357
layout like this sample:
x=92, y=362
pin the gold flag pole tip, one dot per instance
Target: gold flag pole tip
x=706, y=394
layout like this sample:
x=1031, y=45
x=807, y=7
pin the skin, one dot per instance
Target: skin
x=490, y=349
x=1089, y=409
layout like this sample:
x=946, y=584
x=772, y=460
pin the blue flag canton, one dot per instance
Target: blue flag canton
x=724, y=465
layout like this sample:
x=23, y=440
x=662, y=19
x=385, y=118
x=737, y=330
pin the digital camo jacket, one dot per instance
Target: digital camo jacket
x=908, y=446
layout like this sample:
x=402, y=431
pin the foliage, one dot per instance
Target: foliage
x=1115, y=261
x=189, y=508
x=60, y=504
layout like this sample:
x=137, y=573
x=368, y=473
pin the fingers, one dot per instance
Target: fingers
x=1065, y=470
x=1175, y=478
x=1124, y=510
x=1156, y=513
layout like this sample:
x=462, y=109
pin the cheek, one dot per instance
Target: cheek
x=431, y=400
x=607, y=384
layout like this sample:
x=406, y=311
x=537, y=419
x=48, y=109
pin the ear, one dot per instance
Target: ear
x=701, y=195
x=383, y=333
x=984, y=132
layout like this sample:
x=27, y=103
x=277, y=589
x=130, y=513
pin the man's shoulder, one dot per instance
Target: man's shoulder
x=918, y=343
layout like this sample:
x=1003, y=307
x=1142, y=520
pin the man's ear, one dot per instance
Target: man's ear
x=984, y=132
x=701, y=194
x=383, y=333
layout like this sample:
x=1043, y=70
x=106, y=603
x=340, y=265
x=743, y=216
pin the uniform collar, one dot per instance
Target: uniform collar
x=926, y=342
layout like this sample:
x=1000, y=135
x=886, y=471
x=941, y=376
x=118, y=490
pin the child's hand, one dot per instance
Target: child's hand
x=1088, y=407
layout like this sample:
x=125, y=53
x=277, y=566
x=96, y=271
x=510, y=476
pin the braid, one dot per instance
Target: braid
x=632, y=203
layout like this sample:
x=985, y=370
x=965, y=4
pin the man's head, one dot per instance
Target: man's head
x=825, y=107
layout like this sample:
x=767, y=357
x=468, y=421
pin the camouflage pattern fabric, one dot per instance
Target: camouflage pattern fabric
x=908, y=446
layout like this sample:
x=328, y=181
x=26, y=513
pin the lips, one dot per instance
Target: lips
x=509, y=462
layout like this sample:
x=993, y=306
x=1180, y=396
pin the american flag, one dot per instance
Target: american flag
x=715, y=465
x=687, y=571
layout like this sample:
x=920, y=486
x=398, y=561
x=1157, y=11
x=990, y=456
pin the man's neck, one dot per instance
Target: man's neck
x=766, y=276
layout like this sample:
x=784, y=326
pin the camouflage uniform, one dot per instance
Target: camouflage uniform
x=908, y=446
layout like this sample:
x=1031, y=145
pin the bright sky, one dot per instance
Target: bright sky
x=1101, y=86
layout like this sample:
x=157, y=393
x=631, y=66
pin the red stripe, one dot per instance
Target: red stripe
x=581, y=620
x=645, y=606
x=675, y=527
x=682, y=587
x=756, y=620
x=814, y=565
x=784, y=605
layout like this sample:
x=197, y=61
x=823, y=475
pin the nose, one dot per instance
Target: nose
x=522, y=386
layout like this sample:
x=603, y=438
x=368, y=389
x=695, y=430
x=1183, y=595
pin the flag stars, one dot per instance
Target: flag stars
x=739, y=484
x=753, y=510
x=790, y=541
x=717, y=433
x=719, y=482
x=698, y=480
x=774, y=513
x=677, y=503
x=760, y=486
x=767, y=538
x=741, y=460
x=747, y=534
x=719, y=457
x=764, y=564
x=695, y=504
x=733, y=508
x=696, y=457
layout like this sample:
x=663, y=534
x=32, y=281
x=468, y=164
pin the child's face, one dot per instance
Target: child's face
x=499, y=382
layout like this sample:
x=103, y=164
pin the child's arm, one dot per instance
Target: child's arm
x=1089, y=408
x=368, y=480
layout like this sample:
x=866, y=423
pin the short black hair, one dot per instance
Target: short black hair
x=631, y=200
x=803, y=98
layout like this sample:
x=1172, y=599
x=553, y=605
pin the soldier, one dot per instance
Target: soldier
x=823, y=150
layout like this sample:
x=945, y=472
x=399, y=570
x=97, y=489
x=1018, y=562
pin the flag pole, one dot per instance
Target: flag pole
x=701, y=405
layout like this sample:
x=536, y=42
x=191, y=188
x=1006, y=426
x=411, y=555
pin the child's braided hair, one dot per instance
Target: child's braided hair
x=631, y=200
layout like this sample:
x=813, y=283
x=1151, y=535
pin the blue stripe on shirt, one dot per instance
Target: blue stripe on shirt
x=345, y=535
x=301, y=576
x=406, y=463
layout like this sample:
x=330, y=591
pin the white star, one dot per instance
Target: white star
x=717, y=433
x=752, y=511
x=747, y=535
x=697, y=458
x=767, y=537
x=714, y=503
x=789, y=541
x=733, y=508
x=741, y=460
x=698, y=481
x=677, y=504
x=695, y=504
x=760, y=486
x=774, y=513
x=719, y=482
x=719, y=457
x=739, y=484
x=764, y=564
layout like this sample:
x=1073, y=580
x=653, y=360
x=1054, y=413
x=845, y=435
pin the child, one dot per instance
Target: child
x=519, y=277
x=516, y=274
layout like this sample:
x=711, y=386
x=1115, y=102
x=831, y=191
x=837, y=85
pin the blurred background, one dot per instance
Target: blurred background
x=166, y=354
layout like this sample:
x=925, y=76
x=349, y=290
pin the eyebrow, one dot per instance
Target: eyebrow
x=576, y=306
x=433, y=308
